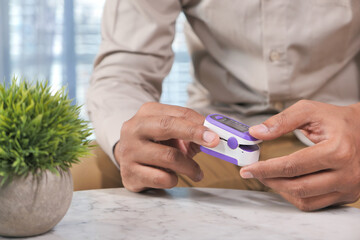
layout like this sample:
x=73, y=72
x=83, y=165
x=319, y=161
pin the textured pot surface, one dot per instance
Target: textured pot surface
x=33, y=205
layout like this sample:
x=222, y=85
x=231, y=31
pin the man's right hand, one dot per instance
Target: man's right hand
x=158, y=143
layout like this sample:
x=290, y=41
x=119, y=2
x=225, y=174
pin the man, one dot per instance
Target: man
x=289, y=64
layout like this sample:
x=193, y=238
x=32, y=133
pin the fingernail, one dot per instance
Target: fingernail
x=200, y=176
x=247, y=175
x=261, y=128
x=209, y=136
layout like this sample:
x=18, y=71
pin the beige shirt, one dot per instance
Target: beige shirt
x=251, y=58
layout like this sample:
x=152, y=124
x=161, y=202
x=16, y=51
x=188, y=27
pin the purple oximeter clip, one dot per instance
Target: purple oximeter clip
x=236, y=144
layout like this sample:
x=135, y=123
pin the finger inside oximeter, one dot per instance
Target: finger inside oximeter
x=236, y=144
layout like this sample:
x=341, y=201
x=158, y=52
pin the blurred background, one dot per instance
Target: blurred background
x=58, y=40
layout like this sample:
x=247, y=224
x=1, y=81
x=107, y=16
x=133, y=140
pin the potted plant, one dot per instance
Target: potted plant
x=41, y=136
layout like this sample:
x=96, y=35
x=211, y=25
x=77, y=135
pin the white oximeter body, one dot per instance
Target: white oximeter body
x=236, y=144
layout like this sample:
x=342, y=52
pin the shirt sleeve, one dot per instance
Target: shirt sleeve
x=134, y=57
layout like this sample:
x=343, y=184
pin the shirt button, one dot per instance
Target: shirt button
x=274, y=56
x=279, y=106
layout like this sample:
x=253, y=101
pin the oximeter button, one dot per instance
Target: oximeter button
x=232, y=143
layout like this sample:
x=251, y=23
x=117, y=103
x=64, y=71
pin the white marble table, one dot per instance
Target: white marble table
x=198, y=213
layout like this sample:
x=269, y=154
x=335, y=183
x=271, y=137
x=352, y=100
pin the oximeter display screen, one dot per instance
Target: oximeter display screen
x=231, y=123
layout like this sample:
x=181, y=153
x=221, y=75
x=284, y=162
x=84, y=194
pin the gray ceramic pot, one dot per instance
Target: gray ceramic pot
x=33, y=205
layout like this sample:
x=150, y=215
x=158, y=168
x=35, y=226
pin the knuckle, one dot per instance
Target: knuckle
x=282, y=119
x=125, y=173
x=290, y=169
x=306, y=104
x=130, y=187
x=133, y=188
x=302, y=102
x=173, y=181
x=332, y=150
x=157, y=180
x=303, y=205
x=299, y=191
x=165, y=180
x=262, y=174
x=120, y=152
x=126, y=177
x=343, y=153
x=125, y=127
x=261, y=171
x=188, y=113
x=194, y=132
x=145, y=108
x=277, y=122
x=129, y=127
x=166, y=122
x=170, y=155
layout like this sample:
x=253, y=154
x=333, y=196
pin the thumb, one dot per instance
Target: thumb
x=286, y=121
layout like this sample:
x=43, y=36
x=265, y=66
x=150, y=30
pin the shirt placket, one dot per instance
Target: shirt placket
x=274, y=28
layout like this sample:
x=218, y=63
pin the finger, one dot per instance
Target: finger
x=159, y=128
x=169, y=158
x=306, y=186
x=194, y=149
x=308, y=160
x=288, y=120
x=159, y=109
x=190, y=149
x=144, y=177
x=315, y=203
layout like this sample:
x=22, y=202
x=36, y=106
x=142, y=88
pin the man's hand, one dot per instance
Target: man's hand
x=159, y=142
x=315, y=177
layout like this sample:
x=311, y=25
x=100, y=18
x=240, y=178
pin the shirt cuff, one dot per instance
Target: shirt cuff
x=108, y=134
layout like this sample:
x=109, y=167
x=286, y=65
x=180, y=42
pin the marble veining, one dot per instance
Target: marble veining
x=198, y=213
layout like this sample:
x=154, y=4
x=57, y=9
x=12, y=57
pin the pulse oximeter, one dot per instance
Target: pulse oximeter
x=236, y=145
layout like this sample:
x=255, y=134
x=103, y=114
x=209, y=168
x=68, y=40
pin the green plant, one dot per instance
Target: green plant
x=39, y=130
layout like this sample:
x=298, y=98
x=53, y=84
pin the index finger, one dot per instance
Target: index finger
x=294, y=117
x=160, y=128
x=175, y=111
x=304, y=161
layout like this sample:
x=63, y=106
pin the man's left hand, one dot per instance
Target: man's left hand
x=325, y=174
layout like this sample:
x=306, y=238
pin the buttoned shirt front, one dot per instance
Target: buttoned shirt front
x=251, y=58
